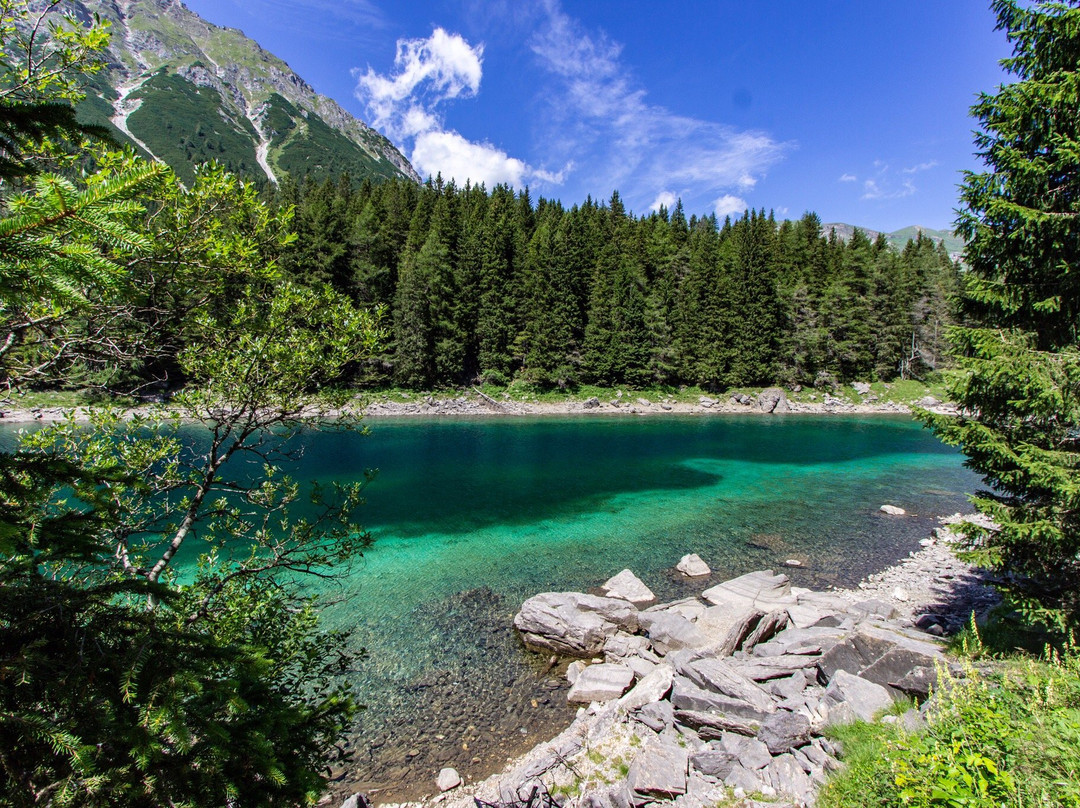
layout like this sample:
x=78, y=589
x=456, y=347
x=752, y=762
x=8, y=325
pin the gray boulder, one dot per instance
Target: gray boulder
x=754, y=755
x=602, y=682
x=659, y=771
x=627, y=586
x=573, y=624
x=670, y=632
x=769, y=399
x=741, y=777
x=591, y=403
x=714, y=726
x=864, y=698
x=692, y=566
x=720, y=677
x=658, y=716
x=784, y=731
x=652, y=688
x=716, y=763
x=788, y=777
x=448, y=779
x=685, y=695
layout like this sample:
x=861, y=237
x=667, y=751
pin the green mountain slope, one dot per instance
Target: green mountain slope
x=954, y=245
x=185, y=91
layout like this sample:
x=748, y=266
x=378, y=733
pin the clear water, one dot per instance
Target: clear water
x=471, y=516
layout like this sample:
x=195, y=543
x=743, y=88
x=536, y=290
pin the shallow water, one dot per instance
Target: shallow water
x=471, y=516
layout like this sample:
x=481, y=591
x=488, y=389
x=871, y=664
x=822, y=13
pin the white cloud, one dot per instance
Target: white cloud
x=729, y=205
x=442, y=67
x=847, y=178
x=873, y=190
x=599, y=117
x=454, y=156
x=405, y=103
x=665, y=199
x=921, y=167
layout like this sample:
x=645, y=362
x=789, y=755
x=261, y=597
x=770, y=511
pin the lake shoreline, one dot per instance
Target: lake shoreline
x=485, y=406
x=927, y=588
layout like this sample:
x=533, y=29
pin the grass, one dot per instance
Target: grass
x=1003, y=734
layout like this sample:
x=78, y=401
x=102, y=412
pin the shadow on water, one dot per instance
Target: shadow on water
x=457, y=476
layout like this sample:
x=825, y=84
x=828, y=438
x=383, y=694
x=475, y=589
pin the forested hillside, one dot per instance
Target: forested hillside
x=493, y=286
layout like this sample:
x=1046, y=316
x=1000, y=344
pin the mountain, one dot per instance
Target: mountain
x=954, y=245
x=185, y=91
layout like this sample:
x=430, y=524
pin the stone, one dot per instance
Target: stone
x=716, y=763
x=354, y=801
x=727, y=626
x=901, y=594
x=917, y=682
x=690, y=608
x=872, y=608
x=659, y=771
x=657, y=716
x=644, y=402
x=602, y=682
x=862, y=388
x=761, y=589
x=742, y=778
x=788, y=777
x=784, y=731
x=755, y=755
x=789, y=687
x=574, y=669
x=591, y=403
x=572, y=623
x=448, y=779
x=627, y=586
x=913, y=721
x=640, y=667
x=621, y=645
x=769, y=399
x=927, y=402
x=652, y=688
x=720, y=677
x=685, y=695
x=892, y=510
x=776, y=667
x=714, y=726
x=670, y=632
x=766, y=629
x=864, y=698
x=692, y=566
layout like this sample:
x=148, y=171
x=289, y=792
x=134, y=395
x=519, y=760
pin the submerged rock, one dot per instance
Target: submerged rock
x=692, y=566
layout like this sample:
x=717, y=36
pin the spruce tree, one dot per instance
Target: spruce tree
x=1020, y=395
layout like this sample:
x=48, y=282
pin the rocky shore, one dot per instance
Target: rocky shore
x=772, y=400
x=727, y=694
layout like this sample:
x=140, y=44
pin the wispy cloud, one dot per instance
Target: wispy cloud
x=885, y=183
x=406, y=104
x=324, y=15
x=599, y=116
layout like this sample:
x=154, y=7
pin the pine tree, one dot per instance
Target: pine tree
x=1020, y=395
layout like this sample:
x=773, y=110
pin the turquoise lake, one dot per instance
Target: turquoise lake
x=471, y=516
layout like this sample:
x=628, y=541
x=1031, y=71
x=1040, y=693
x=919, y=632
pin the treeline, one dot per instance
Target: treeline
x=490, y=286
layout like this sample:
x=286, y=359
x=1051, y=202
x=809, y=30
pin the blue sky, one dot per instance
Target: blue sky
x=855, y=109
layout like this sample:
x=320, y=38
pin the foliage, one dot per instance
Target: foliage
x=1009, y=737
x=1020, y=419
x=157, y=645
x=490, y=285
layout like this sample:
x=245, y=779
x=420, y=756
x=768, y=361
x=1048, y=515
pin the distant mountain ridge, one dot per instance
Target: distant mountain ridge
x=186, y=91
x=954, y=245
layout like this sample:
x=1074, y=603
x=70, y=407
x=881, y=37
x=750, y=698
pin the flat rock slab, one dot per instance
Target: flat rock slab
x=627, y=586
x=692, y=566
x=788, y=777
x=659, y=771
x=572, y=623
x=716, y=763
x=761, y=589
x=602, y=682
